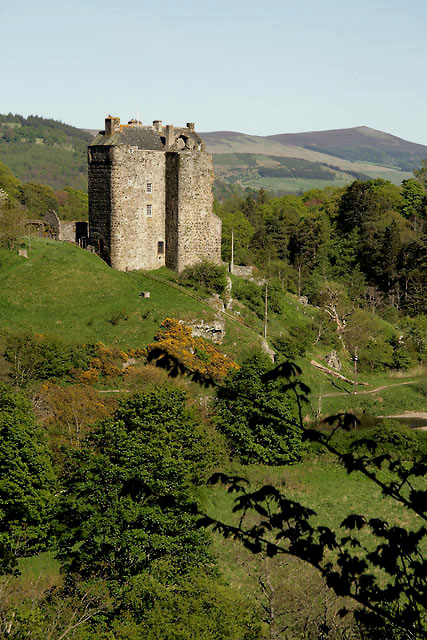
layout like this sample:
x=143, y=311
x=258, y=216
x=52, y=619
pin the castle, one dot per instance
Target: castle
x=150, y=197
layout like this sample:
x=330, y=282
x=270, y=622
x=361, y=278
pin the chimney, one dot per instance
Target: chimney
x=157, y=124
x=170, y=135
x=190, y=126
x=111, y=125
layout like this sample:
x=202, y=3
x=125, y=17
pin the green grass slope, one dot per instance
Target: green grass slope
x=69, y=292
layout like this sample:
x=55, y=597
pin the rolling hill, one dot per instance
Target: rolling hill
x=51, y=152
x=343, y=154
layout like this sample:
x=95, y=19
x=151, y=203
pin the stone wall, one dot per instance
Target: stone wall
x=67, y=231
x=135, y=227
x=52, y=220
x=99, y=189
x=135, y=234
x=193, y=231
x=242, y=271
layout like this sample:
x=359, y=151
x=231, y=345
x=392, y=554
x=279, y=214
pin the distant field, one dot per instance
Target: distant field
x=281, y=174
x=387, y=173
x=292, y=185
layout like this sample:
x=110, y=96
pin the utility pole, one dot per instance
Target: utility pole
x=266, y=309
x=355, y=359
x=232, y=251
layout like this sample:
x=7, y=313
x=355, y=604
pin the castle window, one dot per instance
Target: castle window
x=160, y=247
x=149, y=210
x=149, y=187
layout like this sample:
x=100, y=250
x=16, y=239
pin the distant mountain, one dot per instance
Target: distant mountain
x=51, y=152
x=359, y=144
x=313, y=159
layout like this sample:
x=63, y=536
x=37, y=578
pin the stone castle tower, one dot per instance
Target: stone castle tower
x=150, y=197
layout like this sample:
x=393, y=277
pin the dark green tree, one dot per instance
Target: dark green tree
x=259, y=416
x=73, y=204
x=27, y=481
x=414, y=199
x=38, y=199
x=128, y=494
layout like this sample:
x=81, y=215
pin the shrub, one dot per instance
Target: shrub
x=41, y=357
x=27, y=481
x=250, y=294
x=177, y=350
x=205, y=275
x=258, y=416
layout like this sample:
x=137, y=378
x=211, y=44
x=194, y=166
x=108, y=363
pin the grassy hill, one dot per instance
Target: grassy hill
x=359, y=144
x=65, y=291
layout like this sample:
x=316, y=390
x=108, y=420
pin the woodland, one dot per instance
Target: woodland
x=155, y=485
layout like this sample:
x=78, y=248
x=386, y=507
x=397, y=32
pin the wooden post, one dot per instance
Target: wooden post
x=355, y=359
x=232, y=251
x=266, y=309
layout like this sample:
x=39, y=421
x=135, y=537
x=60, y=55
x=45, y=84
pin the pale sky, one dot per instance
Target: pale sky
x=261, y=67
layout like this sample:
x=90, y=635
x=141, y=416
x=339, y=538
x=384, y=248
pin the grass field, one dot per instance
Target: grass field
x=292, y=185
x=318, y=483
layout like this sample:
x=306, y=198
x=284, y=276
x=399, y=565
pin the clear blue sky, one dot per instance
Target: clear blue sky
x=261, y=67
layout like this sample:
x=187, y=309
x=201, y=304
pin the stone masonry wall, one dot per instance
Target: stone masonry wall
x=67, y=231
x=193, y=231
x=136, y=227
x=99, y=179
x=135, y=235
x=172, y=165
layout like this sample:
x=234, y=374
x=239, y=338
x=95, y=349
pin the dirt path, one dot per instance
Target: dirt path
x=359, y=393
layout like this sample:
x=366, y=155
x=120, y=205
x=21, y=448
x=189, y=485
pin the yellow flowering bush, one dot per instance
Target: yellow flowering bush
x=176, y=349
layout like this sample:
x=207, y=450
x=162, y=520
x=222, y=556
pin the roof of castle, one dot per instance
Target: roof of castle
x=142, y=137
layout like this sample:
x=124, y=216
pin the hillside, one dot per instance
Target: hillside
x=344, y=153
x=68, y=292
x=359, y=144
x=50, y=152
x=64, y=291
x=44, y=151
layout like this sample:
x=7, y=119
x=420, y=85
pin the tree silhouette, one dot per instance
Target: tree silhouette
x=387, y=575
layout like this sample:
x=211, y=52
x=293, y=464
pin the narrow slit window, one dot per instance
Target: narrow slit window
x=160, y=247
x=149, y=187
x=149, y=210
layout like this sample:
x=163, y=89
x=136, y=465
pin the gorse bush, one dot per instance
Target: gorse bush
x=178, y=351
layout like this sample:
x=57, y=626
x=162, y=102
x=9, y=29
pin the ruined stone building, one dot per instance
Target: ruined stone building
x=150, y=197
x=50, y=226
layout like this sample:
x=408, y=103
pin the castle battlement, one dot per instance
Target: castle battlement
x=150, y=196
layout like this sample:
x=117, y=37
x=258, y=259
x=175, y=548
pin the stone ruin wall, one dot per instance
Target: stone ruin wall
x=67, y=231
x=193, y=232
x=135, y=236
